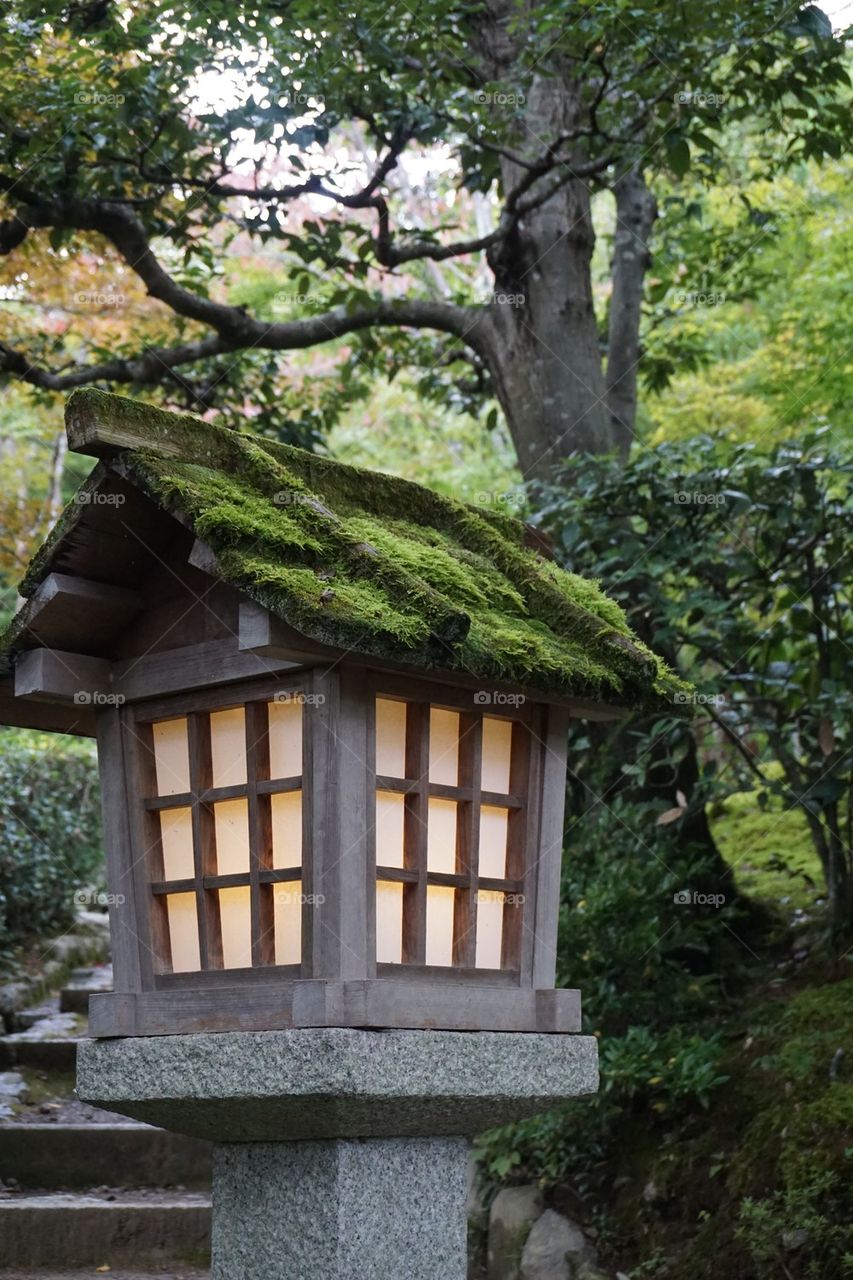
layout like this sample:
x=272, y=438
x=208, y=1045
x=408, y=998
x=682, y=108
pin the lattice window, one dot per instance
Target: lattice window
x=223, y=803
x=451, y=792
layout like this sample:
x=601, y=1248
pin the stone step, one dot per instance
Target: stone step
x=91, y=1274
x=57, y=1055
x=70, y=1156
x=74, y=998
x=99, y=1229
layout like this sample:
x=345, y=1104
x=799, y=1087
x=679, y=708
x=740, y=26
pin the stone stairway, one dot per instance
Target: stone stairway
x=84, y=1193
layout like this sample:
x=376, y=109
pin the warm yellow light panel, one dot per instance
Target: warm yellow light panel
x=490, y=917
x=390, y=738
x=171, y=756
x=390, y=819
x=228, y=747
x=176, y=839
x=439, y=924
x=231, y=820
x=287, y=915
x=444, y=746
x=183, y=932
x=494, y=824
x=286, y=829
x=441, y=835
x=389, y=922
x=285, y=738
x=497, y=754
x=235, y=917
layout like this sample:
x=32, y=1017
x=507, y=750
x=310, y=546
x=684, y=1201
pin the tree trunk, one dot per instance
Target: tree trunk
x=545, y=357
x=636, y=211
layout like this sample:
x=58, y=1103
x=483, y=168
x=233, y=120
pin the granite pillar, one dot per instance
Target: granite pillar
x=339, y=1153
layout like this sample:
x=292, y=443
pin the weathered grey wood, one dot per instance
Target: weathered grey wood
x=193, y=666
x=260, y=833
x=347, y=884
x=54, y=675
x=319, y=1003
x=415, y=820
x=152, y=933
x=71, y=613
x=550, y=846
x=217, y=699
x=203, y=557
x=204, y=841
x=468, y=839
x=261, y=633
x=124, y=937
x=52, y=717
x=106, y=437
x=527, y=832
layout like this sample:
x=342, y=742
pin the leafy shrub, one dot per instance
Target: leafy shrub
x=50, y=833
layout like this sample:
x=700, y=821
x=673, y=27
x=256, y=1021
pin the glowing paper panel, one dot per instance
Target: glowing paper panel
x=183, y=932
x=287, y=829
x=176, y=839
x=490, y=915
x=285, y=738
x=389, y=922
x=390, y=738
x=236, y=921
x=441, y=835
x=390, y=817
x=228, y=747
x=497, y=754
x=171, y=756
x=231, y=818
x=439, y=925
x=287, y=915
x=444, y=746
x=493, y=833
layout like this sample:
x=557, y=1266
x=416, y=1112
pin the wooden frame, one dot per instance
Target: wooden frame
x=338, y=981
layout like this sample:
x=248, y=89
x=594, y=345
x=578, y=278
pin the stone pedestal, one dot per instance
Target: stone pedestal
x=340, y=1154
x=375, y=1209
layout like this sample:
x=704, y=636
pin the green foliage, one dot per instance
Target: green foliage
x=171, y=110
x=746, y=334
x=730, y=560
x=50, y=833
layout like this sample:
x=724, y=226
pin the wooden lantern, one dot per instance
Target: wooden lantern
x=324, y=805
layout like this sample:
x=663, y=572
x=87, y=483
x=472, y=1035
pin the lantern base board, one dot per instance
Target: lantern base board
x=329, y=1083
x=377, y=1209
x=314, y=1002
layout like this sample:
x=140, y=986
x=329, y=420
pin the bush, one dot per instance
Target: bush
x=50, y=833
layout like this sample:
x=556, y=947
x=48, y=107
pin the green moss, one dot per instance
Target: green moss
x=369, y=562
x=769, y=848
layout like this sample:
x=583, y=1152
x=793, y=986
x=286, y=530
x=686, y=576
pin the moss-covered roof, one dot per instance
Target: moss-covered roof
x=371, y=563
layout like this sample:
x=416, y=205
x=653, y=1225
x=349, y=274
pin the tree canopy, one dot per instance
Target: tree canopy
x=426, y=173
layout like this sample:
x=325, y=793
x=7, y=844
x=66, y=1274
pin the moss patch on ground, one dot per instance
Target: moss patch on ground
x=770, y=850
